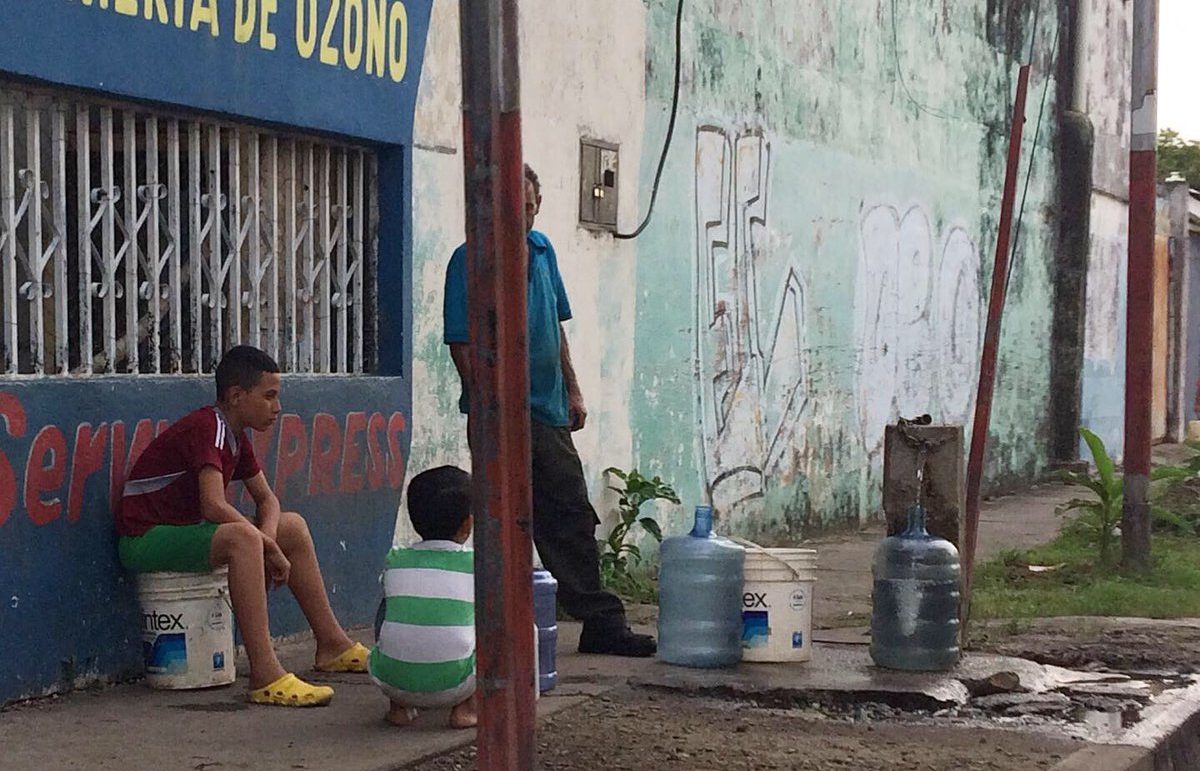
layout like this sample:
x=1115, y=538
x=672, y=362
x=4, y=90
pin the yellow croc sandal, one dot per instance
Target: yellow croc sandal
x=291, y=691
x=353, y=659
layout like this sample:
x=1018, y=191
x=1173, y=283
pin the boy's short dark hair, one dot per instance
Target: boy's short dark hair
x=532, y=176
x=243, y=366
x=439, y=501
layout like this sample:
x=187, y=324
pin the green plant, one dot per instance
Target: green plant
x=619, y=558
x=1099, y=518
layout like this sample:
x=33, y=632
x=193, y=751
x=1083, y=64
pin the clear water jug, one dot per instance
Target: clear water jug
x=700, y=597
x=545, y=615
x=914, y=614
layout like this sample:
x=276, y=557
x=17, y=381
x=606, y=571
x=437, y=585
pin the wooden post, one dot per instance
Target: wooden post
x=943, y=494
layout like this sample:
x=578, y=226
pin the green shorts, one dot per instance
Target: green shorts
x=176, y=548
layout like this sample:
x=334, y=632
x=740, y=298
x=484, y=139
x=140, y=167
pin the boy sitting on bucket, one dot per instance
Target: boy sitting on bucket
x=174, y=516
x=425, y=654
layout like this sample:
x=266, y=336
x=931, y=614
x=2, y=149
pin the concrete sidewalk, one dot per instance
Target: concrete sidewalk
x=133, y=728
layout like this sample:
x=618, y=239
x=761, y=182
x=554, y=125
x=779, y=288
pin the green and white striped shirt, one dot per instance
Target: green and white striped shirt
x=427, y=643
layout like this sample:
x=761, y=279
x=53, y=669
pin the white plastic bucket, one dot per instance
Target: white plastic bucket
x=187, y=629
x=777, y=604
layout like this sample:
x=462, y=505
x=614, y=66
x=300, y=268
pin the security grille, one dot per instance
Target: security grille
x=136, y=241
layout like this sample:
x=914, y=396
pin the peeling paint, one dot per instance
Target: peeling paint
x=819, y=257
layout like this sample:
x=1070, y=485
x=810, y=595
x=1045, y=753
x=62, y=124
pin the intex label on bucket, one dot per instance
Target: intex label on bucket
x=755, y=600
x=165, y=653
x=155, y=621
x=756, y=628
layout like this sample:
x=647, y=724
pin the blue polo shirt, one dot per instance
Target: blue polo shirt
x=548, y=305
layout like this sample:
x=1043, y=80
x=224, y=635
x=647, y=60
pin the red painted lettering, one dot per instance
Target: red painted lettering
x=88, y=458
x=14, y=422
x=376, y=457
x=13, y=413
x=116, y=466
x=293, y=450
x=352, y=458
x=326, y=450
x=45, y=472
x=163, y=425
x=396, y=428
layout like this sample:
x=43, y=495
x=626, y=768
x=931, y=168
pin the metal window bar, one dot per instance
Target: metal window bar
x=136, y=241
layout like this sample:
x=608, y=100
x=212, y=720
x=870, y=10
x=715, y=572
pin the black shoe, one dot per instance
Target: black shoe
x=617, y=641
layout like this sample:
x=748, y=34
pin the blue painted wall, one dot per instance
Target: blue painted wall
x=338, y=455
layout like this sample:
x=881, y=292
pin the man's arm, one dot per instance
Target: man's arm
x=265, y=503
x=575, y=406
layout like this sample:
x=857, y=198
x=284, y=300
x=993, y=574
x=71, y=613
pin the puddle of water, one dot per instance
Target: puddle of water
x=1108, y=722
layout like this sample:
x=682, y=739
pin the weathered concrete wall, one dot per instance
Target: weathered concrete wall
x=582, y=75
x=1102, y=93
x=837, y=218
x=818, y=261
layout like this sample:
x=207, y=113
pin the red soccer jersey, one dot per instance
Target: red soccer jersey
x=163, y=487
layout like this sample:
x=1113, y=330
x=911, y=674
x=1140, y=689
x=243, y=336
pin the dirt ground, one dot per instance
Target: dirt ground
x=631, y=730
x=1122, y=644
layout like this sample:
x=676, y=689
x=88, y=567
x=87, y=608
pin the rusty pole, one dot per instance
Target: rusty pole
x=1139, y=323
x=499, y=425
x=991, y=337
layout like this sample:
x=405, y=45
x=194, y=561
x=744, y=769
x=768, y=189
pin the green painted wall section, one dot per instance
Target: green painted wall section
x=820, y=255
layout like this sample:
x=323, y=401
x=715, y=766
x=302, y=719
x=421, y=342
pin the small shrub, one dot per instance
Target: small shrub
x=620, y=560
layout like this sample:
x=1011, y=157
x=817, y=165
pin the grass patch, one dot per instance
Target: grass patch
x=1006, y=588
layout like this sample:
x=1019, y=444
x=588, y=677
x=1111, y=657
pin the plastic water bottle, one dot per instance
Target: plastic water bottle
x=914, y=614
x=700, y=597
x=545, y=614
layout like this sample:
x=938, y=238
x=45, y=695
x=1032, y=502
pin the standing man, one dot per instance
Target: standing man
x=564, y=522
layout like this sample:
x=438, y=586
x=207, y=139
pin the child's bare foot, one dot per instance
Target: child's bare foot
x=464, y=715
x=400, y=715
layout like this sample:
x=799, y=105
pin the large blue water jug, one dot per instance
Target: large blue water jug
x=914, y=613
x=545, y=615
x=700, y=597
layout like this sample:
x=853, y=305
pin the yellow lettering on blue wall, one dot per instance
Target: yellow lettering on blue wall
x=179, y=13
x=205, y=12
x=352, y=34
x=376, y=37
x=244, y=12
x=156, y=7
x=306, y=27
x=127, y=7
x=329, y=54
x=398, y=44
x=266, y=39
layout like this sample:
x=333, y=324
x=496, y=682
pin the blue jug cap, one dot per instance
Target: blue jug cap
x=704, y=522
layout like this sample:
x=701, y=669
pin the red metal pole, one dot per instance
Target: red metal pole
x=499, y=425
x=991, y=337
x=1139, y=324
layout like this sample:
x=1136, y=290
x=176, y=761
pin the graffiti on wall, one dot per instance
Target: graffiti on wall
x=328, y=456
x=751, y=346
x=918, y=321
